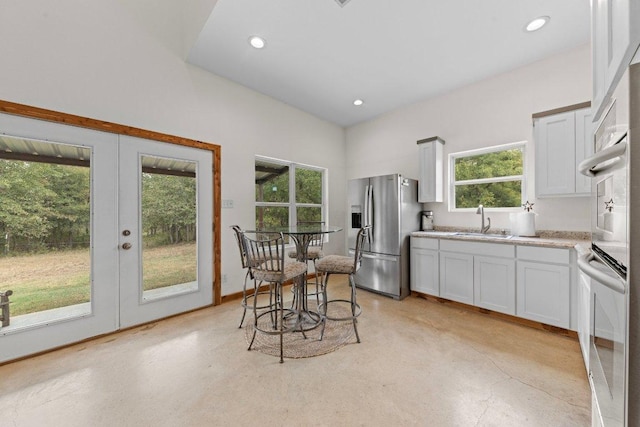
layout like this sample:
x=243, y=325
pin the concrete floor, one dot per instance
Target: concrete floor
x=419, y=363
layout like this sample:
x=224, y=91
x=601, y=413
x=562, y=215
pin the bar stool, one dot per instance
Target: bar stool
x=265, y=255
x=338, y=264
x=247, y=297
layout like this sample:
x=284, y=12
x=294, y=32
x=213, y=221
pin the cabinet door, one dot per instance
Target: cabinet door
x=598, y=55
x=495, y=284
x=456, y=277
x=543, y=292
x=615, y=39
x=424, y=271
x=430, y=184
x=555, y=149
x=584, y=148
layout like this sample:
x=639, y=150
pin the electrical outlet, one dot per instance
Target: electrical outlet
x=227, y=203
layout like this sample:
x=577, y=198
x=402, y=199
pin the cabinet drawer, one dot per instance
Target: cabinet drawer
x=479, y=248
x=552, y=255
x=424, y=243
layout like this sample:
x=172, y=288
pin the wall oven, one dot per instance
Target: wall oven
x=606, y=265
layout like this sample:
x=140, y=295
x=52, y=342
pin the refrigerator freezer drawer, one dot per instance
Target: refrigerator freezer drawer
x=383, y=274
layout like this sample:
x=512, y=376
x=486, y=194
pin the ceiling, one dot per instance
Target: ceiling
x=321, y=56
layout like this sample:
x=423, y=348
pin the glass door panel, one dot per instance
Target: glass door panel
x=169, y=239
x=45, y=231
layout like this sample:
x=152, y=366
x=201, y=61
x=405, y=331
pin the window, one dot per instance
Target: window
x=287, y=193
x=493, y=177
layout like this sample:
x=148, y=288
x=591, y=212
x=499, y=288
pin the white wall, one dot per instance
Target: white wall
x=94, y=59
x=490, y=112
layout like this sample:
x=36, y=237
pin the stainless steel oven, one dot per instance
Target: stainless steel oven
x=609, y=170
x=608, y=340
x=607, y=264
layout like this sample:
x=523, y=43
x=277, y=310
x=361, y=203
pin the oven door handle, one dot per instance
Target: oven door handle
x=589, y=166
x=610, y=282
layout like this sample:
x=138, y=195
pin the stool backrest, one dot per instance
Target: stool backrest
x=240, y=240
x=363, y=235
x=265, y=251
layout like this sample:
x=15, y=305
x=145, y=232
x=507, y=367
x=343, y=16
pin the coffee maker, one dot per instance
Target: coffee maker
x=426, y=221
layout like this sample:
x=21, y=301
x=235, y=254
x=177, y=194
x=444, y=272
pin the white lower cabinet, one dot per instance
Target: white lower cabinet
x=425, y=276
x=531, y=282
x=494, y=284
x=470, y=276
x=544, y=285
x=456, y=277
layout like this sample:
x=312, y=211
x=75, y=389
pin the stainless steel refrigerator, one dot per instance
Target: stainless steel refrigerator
x=390, y=205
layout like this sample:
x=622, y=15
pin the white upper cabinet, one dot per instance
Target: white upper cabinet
x=615, y=36
x=431, y=181
x=562, y=141
x=584, y=148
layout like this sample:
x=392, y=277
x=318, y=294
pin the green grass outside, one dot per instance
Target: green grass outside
x=59, y=279
x=168, y=265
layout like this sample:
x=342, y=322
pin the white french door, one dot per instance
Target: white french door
x=158, y=279
x=125, y=262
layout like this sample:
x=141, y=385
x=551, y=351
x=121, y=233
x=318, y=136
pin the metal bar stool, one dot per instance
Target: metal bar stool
x=338, y=264
x=265, y=254
x=247, y=297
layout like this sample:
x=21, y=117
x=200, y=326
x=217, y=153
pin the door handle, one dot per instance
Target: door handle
x=370, y=213
x=589, y=166
x=366, y=206
x=126, y=246
x=610, y=282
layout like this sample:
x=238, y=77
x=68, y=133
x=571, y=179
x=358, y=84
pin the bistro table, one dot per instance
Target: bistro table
x=302, y=235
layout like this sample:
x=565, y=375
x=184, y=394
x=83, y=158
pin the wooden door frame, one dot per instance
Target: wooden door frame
x=100, y=125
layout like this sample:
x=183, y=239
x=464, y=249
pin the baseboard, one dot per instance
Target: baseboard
x=509, y=318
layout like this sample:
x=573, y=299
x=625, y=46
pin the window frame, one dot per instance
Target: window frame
x=292, y=204
x=521, y=145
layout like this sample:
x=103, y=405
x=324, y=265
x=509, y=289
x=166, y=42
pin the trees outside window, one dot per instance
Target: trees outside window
x=493, y=177
x=287, y=193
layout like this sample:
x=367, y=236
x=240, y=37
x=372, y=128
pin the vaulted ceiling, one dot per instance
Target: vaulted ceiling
x=320, y=55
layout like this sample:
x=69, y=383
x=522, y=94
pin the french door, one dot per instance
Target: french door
x=165, y=263
x=98, y=232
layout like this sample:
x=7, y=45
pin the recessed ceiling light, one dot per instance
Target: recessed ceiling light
x=257, y=42
x=537, y=23
x=358, y=102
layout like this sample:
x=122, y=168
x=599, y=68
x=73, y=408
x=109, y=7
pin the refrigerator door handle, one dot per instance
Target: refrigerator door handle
x=365, y=221
x=610, y=282
x=370, y=213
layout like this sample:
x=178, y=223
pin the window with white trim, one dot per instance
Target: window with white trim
x=288, y=192
x=493, y=177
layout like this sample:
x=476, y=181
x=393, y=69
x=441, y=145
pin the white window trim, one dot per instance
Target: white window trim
x=522, y=145
x=324, y=206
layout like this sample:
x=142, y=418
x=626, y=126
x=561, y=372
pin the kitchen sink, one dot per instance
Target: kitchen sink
x=483, y=235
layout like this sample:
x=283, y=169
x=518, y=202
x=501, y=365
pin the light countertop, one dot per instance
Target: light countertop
x=549, y=239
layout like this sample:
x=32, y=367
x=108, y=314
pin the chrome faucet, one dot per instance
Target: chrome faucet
x=483, y=228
